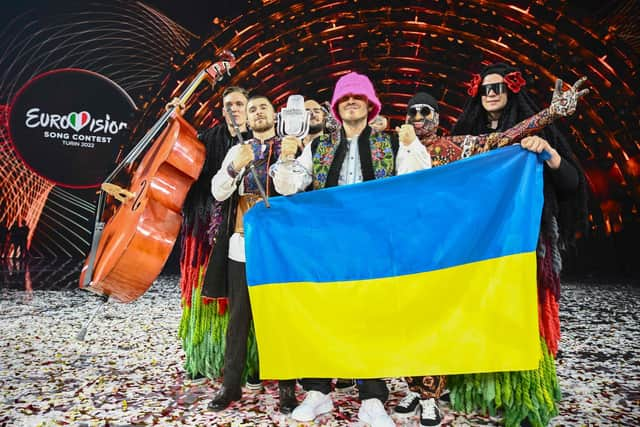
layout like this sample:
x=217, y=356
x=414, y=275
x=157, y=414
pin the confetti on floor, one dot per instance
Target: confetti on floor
x=128, y=371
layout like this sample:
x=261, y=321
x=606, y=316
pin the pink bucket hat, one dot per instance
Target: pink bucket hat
x=355, y=84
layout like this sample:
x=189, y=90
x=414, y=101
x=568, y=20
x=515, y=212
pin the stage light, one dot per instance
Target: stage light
x=438, y=46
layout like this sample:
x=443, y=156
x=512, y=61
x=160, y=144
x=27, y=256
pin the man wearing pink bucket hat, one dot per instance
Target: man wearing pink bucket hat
x=353, y=154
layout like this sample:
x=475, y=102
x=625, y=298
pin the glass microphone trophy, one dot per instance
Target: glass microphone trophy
x=293, y=120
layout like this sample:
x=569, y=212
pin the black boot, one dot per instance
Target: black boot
x=288, y=401
x=223, y=398
x=195, y=377
x=254, y=384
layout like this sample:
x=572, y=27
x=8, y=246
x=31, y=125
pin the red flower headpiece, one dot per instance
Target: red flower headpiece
x=514, y=81
x=473, y=85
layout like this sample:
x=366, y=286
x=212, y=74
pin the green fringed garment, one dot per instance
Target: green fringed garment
x=519, y=395
x=203, y=332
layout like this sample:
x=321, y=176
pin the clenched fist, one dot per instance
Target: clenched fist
x=406, y=134
x=243, y=157
x=289, y=147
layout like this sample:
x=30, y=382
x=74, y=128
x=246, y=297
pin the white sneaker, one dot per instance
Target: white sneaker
x=430, y=413
x=409, y=405
x=373, y=413
x=315, y=403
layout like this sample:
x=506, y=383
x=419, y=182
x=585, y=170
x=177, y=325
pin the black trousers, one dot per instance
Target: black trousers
x=367, y=389
x=235, y=354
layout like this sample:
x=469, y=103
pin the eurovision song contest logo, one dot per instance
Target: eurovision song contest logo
x=69, y=125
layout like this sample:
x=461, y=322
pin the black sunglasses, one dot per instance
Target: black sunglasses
x=497, y=88
x=424, y=109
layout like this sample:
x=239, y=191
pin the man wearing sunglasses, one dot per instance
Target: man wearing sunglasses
x=494, y=99
x=499, y=98
x=423, y=114
x=424, y=392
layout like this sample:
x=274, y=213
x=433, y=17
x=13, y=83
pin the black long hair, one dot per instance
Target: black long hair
x=569, y=210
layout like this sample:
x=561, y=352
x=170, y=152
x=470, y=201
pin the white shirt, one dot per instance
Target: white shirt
x=223, y=186
x=351, y=169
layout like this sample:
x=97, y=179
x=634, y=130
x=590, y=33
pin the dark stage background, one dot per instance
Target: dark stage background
x=285, y=47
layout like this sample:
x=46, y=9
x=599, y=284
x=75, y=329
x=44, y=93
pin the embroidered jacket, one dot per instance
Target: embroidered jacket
x=377, y=152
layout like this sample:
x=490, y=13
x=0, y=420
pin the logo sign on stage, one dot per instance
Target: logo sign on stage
x=68, y=126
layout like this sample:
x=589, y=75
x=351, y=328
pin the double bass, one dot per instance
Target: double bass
x=129, y=251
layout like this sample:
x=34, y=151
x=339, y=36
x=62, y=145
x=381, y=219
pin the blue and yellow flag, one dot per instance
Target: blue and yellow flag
x=428, y=273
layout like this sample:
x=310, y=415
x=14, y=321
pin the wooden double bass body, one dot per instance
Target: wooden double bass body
x=133, y=246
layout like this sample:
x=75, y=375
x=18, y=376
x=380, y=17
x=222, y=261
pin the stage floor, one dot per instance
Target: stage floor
x=129, y=369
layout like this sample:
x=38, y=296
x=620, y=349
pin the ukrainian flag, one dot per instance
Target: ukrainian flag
x=428, y=273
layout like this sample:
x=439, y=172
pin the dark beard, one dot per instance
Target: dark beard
x=313, y=129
